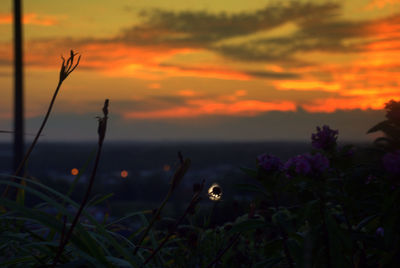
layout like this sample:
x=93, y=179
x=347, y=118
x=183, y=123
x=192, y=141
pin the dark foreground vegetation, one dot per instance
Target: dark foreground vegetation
x=335, y=206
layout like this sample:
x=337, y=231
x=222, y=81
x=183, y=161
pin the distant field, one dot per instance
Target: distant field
x=61, y=157
x=149, y=167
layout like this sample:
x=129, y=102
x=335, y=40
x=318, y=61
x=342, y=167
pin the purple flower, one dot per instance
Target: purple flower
x=298, y=165
x=306, y=164
x=325, y=138
x=319, y=162
x=380, y=231
x=269, y=162
x=391, y=162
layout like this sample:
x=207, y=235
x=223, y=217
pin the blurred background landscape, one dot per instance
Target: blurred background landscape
x=139, y=173
x=222, y=83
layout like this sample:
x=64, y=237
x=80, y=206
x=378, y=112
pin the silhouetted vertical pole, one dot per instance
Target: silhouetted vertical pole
x=18, y=85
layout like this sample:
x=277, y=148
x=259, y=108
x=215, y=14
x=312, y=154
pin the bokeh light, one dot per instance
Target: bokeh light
x=124, y=174
x=74, y=171
x=215, y=192
x=166, y=167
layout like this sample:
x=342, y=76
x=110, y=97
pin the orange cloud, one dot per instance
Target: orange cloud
x=30, y=18
x=121, y=60
x=357, y=65
x=208, y=107
x=381, y=3
x=187, y=93
x=332, y=104
x=154, y=86
x=307, y=85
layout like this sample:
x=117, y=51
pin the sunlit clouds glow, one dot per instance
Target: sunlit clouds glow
x=162, y=62
x=208, y=107
x=31, y=18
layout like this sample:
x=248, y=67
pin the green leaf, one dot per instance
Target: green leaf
x=248, y=225
x=43, y=218
x=95, y=202
x=365, y=221
x=93, y=247
x=119, y=262
x=269, y=263
x=130, y=215
x=340, y=242
x=16, y=261
x=21, y=193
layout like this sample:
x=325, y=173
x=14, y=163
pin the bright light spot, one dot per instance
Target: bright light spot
x=166, y=167
x=215, y=192
x=124, y=174
x=74, y=171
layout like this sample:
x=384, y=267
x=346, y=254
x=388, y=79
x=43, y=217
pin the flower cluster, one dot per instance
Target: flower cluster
x=391, y=162
x=269, y=163
x=325, y=138
x=306, y=164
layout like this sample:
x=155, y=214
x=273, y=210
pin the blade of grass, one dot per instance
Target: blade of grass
x=176, y=179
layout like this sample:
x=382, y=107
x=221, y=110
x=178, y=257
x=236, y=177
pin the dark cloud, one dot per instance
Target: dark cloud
x=201, y=29
x=320, y=28
x=327, y=36
x=259, y=74
x=273, y=75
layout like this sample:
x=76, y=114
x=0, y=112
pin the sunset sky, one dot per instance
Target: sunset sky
x=206, y=69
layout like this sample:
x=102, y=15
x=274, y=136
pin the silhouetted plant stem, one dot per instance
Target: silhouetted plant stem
x=283, y=235
x=232, y=242
x=210, y=217
x=184, y=166
x=67, y=67
x=46, y=117
x=101, y=132
x=348, y=224
x=190, y=207
x=325, y=232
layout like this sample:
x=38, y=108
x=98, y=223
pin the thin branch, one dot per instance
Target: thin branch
x=180, y=172
x=66, y=69
x=101, y=132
